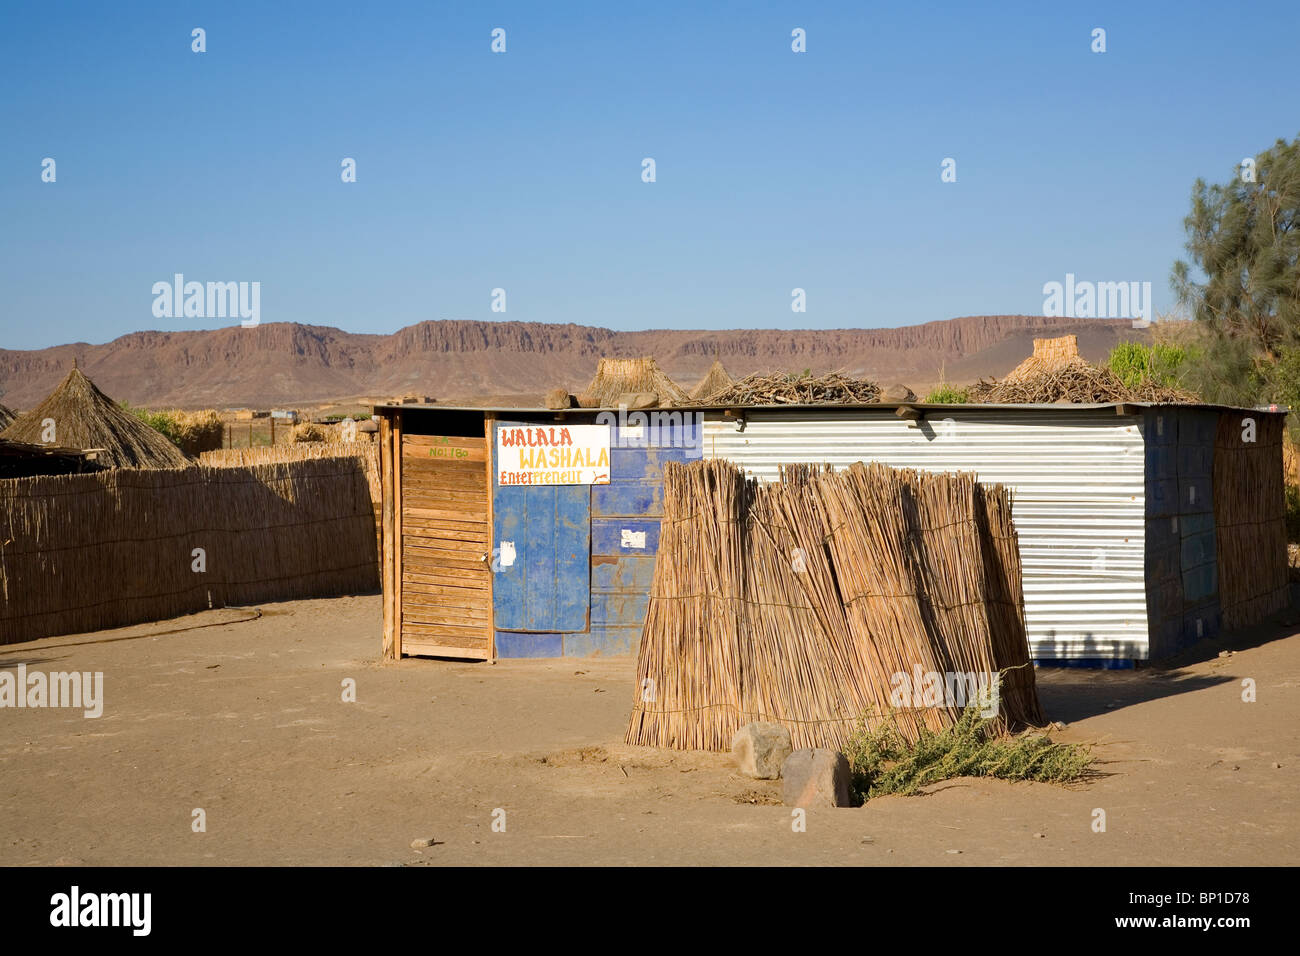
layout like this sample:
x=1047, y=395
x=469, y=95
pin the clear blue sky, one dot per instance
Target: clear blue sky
x=522, y=170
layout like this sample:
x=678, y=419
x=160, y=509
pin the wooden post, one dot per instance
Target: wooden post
x=489, y=434
x=397, y=535
x=386, y=484
x=272, y=430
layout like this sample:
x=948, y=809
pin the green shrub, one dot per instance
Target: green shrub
x=882, y=764
x=163, y=422
x=1135, y=363
x=947, y=395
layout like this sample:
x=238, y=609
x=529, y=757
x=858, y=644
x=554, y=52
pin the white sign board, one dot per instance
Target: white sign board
x=553, y=454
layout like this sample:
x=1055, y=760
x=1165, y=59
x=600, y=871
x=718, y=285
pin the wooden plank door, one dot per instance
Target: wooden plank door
x=445, y=584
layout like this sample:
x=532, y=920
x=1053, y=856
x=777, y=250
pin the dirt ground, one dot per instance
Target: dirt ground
x=245, y=720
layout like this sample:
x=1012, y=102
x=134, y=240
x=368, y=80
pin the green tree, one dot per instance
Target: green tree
x=1244, y=238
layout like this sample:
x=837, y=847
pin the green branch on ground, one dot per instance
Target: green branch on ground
x=882, y=764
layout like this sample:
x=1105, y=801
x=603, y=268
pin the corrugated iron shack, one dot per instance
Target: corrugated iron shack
x=533, y=533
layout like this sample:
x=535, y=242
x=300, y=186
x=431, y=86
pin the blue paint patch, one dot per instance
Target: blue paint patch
x=627, y=608
x=1198, y=549
x=1195, y=461
x=1200, y=584
x=512, y=644
x=1162, y=497
x=622, y=573
x=642, y=498
x=603, y=640
x=1163, y=534
x=633, y=463
x=1160, y=427
x=1200, y=624
x=1195, y=496
x=607, y=535
x=1097, y=663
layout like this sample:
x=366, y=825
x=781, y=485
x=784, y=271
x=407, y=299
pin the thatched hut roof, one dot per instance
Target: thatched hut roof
x=6, y=417
x=615, y=377
x=85, y=418
x=715, y=380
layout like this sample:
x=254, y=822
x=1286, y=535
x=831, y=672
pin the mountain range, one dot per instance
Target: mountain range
x=508, y=362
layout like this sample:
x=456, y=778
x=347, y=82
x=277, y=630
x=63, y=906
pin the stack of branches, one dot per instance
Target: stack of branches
x=1071, y=381
x=783, y=388
x=829, y=602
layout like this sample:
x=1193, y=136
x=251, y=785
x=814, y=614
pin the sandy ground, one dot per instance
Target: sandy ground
x=246, y=721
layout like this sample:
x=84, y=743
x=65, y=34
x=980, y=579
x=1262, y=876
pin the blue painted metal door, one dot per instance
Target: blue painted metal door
x=542, y=537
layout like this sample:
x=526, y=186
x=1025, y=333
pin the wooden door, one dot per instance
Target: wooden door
x=445, y=586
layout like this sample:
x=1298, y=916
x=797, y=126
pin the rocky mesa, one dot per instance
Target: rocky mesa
x=468, y=361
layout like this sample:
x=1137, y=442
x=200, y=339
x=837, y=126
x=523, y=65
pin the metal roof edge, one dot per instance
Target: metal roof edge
x=888, y=406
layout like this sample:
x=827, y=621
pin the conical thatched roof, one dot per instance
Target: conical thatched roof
x=6, y=417
x=86, y=418
x=615, y=377
x=715, y=380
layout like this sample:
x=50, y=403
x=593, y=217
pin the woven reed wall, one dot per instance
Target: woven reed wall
x=367, y=452
x=88, y=552
x=1250, y=519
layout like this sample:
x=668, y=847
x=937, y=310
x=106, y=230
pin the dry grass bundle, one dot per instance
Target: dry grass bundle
x=615, y=377
x=715, y=380
x=6, y=417
x=86, y=418
x=1070, y=381
x=696, y=593
x=310, y=432
x=782, y=388
x=197, y=432
x=1250, y=518
x=1048, y=354
x=810, y=602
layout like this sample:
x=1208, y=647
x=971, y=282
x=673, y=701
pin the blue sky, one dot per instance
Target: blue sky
x=522, y=170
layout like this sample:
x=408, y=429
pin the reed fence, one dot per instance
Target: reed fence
x=1250, y=518
x=88, y=552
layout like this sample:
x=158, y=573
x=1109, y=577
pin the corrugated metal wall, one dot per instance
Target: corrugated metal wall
x=1078, y=483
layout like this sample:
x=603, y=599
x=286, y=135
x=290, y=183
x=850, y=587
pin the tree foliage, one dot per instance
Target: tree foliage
x=1136, y=363
x=1244, y=237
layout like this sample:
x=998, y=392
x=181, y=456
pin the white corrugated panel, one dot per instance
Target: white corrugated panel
x=1078, y=492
